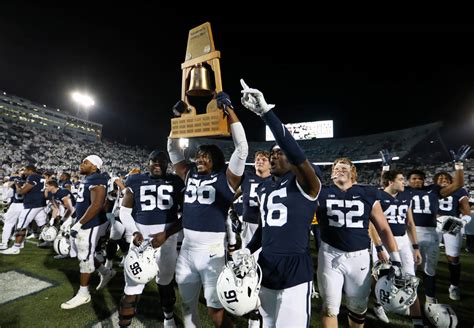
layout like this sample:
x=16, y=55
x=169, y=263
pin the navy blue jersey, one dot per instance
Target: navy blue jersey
x=249, y=186
x=286, y=214
x=395, y=210
x=425, y=204
x=61, y=193
x=35, y=197
x=239, y=205
x=16, y=198
x=83, y=200
x=156, y=200
x=450, y=204
x=343, y=216
x=64, y=183
x=206, y=201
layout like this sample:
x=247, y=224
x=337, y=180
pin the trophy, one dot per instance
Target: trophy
x=201, y=62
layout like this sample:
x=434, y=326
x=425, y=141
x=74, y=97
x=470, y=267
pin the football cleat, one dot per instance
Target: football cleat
x=169, y=323
x=454, y=293
x=76, y=301
x=380, y=313
x=11, y=251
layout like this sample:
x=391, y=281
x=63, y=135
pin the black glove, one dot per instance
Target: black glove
x=395, y=270
x=236, y=224
x=462, y=153
x=386, y=158
x=223, y=102
x=179, y=108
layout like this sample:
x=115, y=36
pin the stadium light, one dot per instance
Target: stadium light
x=84, y=101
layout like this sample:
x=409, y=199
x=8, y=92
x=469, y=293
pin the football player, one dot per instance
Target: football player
x=210, y=189
x=287, y=201
x=90, y=225
x=425, y=205
x=344, y=211
x=149, y=207
x=251, y=212
x=456, y=205
x=14, y=209
x=396, y=206
x=34, y=205
x=62, y=196
x=65, y=181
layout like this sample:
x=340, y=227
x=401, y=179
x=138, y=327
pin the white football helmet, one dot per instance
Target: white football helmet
x=238, y=284
x=61, y=245
x=441, y=315
x=49, y=233
x=140, y=263
x=449, y=224
x=396, y=294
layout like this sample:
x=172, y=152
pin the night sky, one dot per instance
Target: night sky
x=368, y=78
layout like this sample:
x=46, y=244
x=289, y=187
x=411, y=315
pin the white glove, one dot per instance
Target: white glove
x=240, y=254
x=75, y=229
x=253, y=99
x=175, y=153
x=465, y=219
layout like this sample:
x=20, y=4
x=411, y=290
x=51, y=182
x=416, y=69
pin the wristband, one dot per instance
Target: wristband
x=379, y=248
x=415, y=246
x=395, y=257
x=458, y=165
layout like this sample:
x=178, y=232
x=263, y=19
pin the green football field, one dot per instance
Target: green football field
x=41, y=308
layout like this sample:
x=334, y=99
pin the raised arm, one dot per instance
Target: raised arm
x=458, y=179
x=253, y=100
x=180, y=164
x=236, y=167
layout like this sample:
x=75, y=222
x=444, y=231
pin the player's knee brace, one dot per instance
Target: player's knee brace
x=357, y=317
x=86, y=266
x=128, y=309
x=167, y=297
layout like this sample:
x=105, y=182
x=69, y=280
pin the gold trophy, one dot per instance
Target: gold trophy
x=201, y=60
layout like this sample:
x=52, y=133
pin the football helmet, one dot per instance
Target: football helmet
x=238, y=284
x=140, y=263
x=49, y=233
x=441, y=315
x=396, y=294
x=450, y=224
x=61, y=245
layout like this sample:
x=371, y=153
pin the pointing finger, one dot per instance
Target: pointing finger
x=244, y=85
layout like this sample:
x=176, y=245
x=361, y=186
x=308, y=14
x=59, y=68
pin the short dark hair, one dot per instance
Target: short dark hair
x=216, y=155
x=31, y=167
x=388, y=176
x=417, y=172
x=53, y=183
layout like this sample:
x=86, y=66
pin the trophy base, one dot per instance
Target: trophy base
x=202, y=125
